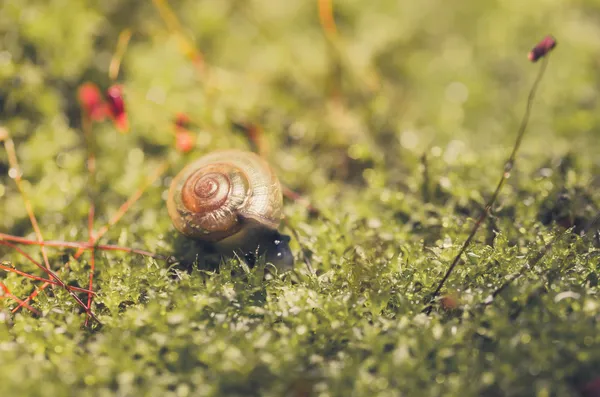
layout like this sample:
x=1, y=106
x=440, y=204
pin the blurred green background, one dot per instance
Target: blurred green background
x=349, y=123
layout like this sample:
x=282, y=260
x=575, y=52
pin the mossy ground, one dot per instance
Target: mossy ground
x=348, y=126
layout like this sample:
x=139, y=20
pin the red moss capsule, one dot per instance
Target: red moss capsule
x=450, y=301
x=542, y=48
x=184, y=141
x=91, y=101
x=182, y=122
x=116, y=106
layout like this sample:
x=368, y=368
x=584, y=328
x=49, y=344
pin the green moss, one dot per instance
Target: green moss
x=348, y=126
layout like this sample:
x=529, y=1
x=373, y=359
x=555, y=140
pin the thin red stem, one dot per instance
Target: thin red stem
x=8, y=294
x=27, y=256
x=52, y=275
x=325, y=9
x=78, y=244
x=37, y=278
x=91, y=167
x=14, y=163
x=161, y=169
x=508, y=167
x=122, y=210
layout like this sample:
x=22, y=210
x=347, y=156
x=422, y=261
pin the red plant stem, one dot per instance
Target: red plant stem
x=27, y=256
x=325, y=8
x=37, y=278
x=77, y=244
x=52, y=275
x=91, y=167
x=122, y=210
x=8, y=294
x=161, y=169
x=508, y=166
x=14, y=163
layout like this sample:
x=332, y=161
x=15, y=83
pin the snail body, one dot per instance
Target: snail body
x=232, y=200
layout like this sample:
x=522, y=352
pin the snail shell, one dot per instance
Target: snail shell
x=229, y=198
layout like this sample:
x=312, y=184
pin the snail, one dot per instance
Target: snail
x=232, y=201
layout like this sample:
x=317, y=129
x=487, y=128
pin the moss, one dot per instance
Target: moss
x=397, y=134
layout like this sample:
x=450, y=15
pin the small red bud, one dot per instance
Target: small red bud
x=184, y=141
x=449, y=302
x=91, y=102
x=542, y=48
x=182, y=122
x=116, y=106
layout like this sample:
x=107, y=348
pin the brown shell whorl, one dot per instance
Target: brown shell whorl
x=205, y=190
x=224, y=195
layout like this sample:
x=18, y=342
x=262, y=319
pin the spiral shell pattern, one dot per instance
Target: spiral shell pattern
x=219, y=194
